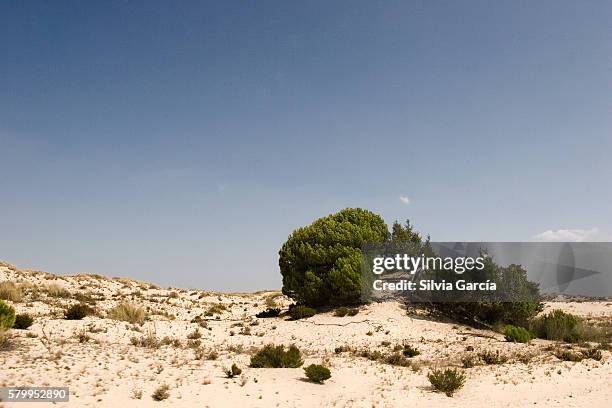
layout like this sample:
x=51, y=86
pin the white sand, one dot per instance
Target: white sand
x=107, y=370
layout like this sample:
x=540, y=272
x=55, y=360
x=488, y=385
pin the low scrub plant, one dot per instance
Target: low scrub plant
x=301, y=312
x=271, y=312
x=271, y=356
x=233, y=371
x=7, y=316
x=516, y=334
x=410, y=351
x=447, y=381
x=397, y=359
x=128, y=312
x=57, y=291
x=469, y=361
x=10, y=291
x=23, y=321
x=77, y=312
x=161, y=393
x=317, y=373
x=490, y=357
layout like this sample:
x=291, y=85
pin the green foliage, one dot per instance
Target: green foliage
x=516, y=334
x=556, y=325
x=353, y=311
x=233, y=371
x=410, y=351
x=23, y=321
x=404, y=234
x=7, y=315
x=321, y=263
x=301, y=312
x=341, y=311
x=524, y=300
x=447, y=381
x=317, y=373
x=77, y=312
x=469, y=361
x=272, y=356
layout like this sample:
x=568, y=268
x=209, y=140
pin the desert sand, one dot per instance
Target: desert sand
x=101, y=361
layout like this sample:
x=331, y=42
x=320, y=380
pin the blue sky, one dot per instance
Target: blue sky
x=183, y=142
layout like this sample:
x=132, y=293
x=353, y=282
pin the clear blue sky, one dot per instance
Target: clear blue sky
x=182, y=142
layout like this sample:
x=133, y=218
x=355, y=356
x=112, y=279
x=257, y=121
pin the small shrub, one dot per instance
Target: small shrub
x=469, y=361
x=272, y=356
x=233, y=371
x=7, y=316
x=10, y=291
x=215, y=309
x=194, y=335
x=594, y=354
x=77, y=312
x=273, y=312
x=516, y=334
x=149, y=340
x=410, y=351
x=489, y=357
x=447, y=381
x=23, y=321
x=556, y=325
x=5, y=339
x=128, y=312
x=57, y=291
x=341, y=311
x=353, y=311
x=568, y=355
x=161, y=393
x=301, y=312
x=397, y=359
x=317, y=373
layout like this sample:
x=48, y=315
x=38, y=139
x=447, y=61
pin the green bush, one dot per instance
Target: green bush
x=272, y=356
x=410, y=351
x=317, y=373
x=23, y=321
x=556, y=325
x=353, y=311
x=301, y=312
x=447, y=381
x=77, y=312
x=233, y=371
x=321, y=263
x=271, y=312
x=341, y=311
x=516, y=334
x=7, y=315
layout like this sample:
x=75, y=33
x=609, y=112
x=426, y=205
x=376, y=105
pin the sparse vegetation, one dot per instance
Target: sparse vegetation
x=490, y=357
x=128, y=312
x=23, y=321
x=397, y=359
x=341, y=311
x=161, y=393
x=10, y=291
x=271, y=356
x=447, y=381
x=77, y=312
x=7, y=315
x=301, y=312
x=194, y=335
x=317, y=373
x=516, y=334
x=215, y=309
x=469, y=361
x=57, y=291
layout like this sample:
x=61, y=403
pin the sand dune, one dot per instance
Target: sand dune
x=104, y=363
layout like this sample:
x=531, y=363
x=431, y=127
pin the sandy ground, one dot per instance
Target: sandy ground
x=95, y=356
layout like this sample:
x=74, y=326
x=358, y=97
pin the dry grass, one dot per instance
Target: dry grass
x=10, y=291
x=128, y=312
x=57, y=291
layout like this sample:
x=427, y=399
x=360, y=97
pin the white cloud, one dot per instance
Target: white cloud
x=405, y=200
x=568, y=235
